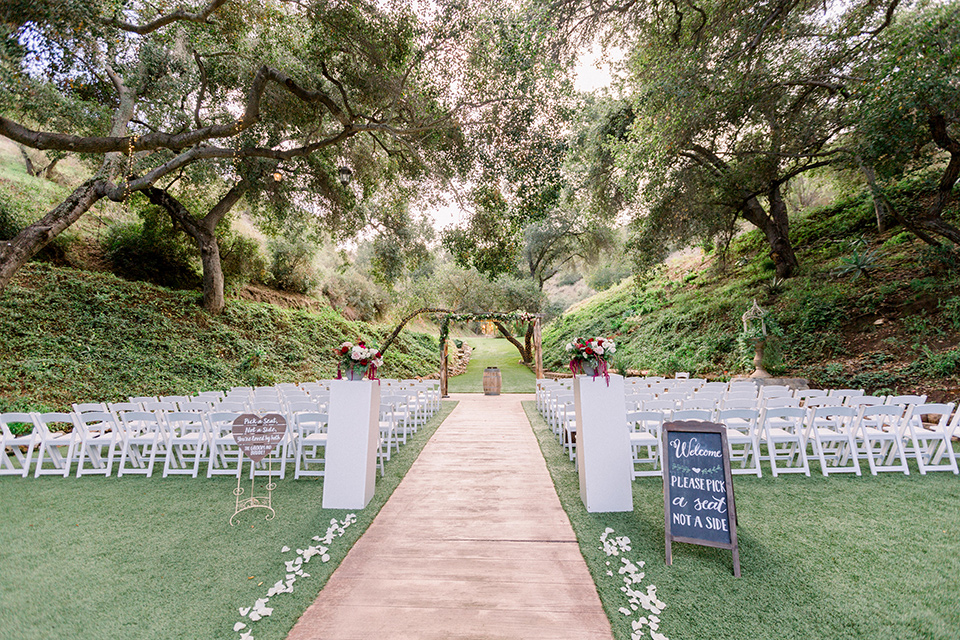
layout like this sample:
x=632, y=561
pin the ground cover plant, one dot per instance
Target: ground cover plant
x=77, y=336
x=134, y=557
x=889, y=326
x=493, y=352
x=839, y=557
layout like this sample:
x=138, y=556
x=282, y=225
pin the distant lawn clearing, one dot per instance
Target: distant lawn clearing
x=838, y=558
x=493, y=352
x=146, y=558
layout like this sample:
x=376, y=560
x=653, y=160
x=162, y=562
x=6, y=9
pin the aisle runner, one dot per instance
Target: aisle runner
x=473, y=543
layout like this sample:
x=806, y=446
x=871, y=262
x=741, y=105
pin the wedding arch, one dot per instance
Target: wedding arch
x=531, y=349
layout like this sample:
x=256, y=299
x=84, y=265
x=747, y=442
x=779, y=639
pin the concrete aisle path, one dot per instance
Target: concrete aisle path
x=472, y=544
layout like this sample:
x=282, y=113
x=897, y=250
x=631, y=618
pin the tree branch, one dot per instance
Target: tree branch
x=180, y=15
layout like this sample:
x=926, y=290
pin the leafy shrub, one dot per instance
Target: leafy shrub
x=242, y=261
x=153, y=251
x=357, y=297
x=608, y=275
x=291, y=265
x=14, y=218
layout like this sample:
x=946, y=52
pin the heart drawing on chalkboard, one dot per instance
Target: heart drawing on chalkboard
x=257, y=435
x=696, y=469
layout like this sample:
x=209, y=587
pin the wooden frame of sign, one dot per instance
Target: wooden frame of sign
x=698, y=505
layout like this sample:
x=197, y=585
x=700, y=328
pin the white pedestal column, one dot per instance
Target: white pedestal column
x=604, y=460
x=353, y=436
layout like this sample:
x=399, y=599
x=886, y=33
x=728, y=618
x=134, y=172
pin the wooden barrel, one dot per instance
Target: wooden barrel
x=491, y=381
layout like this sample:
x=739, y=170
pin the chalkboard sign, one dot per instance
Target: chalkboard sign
x=697, y=489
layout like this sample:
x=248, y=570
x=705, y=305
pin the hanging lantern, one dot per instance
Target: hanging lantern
x=344, y=174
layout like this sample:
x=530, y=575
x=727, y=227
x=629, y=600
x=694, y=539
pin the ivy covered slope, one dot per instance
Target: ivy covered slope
x=79, y=336
x=879, y=311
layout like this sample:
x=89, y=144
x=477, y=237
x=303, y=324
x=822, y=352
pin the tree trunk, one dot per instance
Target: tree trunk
x=15, y=253
x=776, y=229
x=881, y=206
x=524, y=355
x=204, y=233
x=31, y=169
x=528, y=343
x=48, y=171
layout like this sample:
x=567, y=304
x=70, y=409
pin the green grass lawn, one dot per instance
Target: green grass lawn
x=493, y=352
x=838, y=558
x=148, y=558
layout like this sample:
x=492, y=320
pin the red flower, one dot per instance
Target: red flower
x=344, y=351
x=361, y=344
x=589, y=351
x=364, y=363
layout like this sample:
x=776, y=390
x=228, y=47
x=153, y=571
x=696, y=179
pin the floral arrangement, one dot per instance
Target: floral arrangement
x=588, y=357
x=357, y=359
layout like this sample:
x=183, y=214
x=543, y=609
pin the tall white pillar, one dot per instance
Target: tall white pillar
x=604, y=460
x=353, y=436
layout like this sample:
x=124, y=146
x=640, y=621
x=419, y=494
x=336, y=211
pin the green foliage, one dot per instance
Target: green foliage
x=242, y=261
x=74, y=336
x=152, y=250
x=862, y=261
x=355, y=295
x=607, y=275
x=291, y=265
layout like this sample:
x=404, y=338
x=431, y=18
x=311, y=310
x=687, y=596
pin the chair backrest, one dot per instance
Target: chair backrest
x=159, y=405
x=834, y=417
x=648, y=421
x=231, y=405
x=663, y=406
x=7, y=419
x=692, y=414
x=943, y=411
x=177, y=399
x=886, y=417
x=709, y=404
x=859, y=401
x=118, y=408
x=45, y=420
x=788, y=418
x=302, y=406
x=823, y=401
x=311, y=422
x=140, y=422
x=210, y=395
x=781, y=401
x=906, y=400
x=713, y=387
x=86, y=407
x=200, y=406
x=220, y=423
x=184, y=423
x=774, y=391
x=739, y=403
x=142, y=399
x=682, y=375
x=97, y=421
x=742, y=420
x=843, y=393
x=803, y=394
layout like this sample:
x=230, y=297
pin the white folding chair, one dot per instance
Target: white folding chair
x=742, y=439
x=782, y=431
x=98, y=438
x=311, y=438
x=905, y=401
x=863, y=401
x=803, y=394
x=777, y=402
x=931, y=442
x=186, y=443
x=831, y=432
x=27, y=435
x=223, y=454
x=774, y=391
x=54, y=440
x=141, y=399
x=645, y=442
x=881, y=435
x=144, y=437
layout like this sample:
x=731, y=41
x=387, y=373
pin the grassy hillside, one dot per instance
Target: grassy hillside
x=79, y=336
x=894, y=328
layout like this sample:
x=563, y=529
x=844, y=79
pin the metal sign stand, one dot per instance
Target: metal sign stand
x=254, y=501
